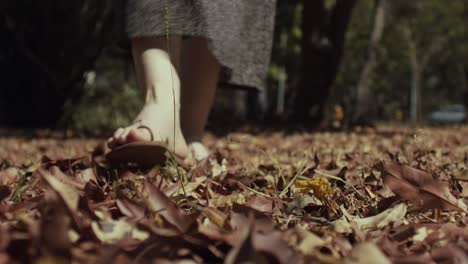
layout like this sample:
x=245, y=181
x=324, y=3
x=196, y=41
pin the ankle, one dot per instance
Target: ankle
x=194, y=139
x=163, y=105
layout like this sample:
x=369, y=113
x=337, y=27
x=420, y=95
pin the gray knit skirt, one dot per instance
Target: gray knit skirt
x=240, y=32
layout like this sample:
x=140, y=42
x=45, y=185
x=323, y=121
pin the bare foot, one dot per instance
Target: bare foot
x=129, y=134
x=154, y=123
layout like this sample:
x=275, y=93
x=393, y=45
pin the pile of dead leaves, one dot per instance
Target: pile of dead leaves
x=385, y=196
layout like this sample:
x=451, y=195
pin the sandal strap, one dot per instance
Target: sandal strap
x=139, y=124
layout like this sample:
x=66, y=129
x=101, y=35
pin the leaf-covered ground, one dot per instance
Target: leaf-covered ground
x=390, y=195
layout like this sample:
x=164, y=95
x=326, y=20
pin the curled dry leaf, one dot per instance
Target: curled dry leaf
x=419, y=187
x=464, y=192
x=244, y=251
x=215, y=216
x=366, y=253
x=66, y=191
x=162, y=205
x=113, y=231
x=5, y=238
x=449, y=254
x=273, y=244
x=57, y=173
x=94, y=192
x=310, y=242
x=261, y=204
x=130, y=208
x=9, y=176
x=87, y=175
x=5, y=192
x=392, y=215
x=54, y=225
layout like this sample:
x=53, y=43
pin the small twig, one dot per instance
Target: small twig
x=144, y=251
x=299, y=174
x=254, y=191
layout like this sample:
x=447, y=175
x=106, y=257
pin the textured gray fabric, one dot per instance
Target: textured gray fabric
x=240, y=31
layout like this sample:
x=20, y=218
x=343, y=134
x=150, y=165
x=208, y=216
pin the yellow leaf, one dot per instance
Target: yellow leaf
x=321, y=187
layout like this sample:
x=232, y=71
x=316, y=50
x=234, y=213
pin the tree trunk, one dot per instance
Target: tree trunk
x=364, y=111
x=464, y=79
x=323, y=37
x=415, y=95
x=419, y=60
x=416, y=74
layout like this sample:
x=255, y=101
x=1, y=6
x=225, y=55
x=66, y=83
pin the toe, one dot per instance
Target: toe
x=117, y=133
x=122, y=137
x=111, y=142
x=139, y=134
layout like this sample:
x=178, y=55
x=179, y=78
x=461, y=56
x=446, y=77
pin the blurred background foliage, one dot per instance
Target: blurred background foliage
x=67, y=63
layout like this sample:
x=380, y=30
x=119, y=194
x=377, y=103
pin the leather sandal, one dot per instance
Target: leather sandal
x=145, y=153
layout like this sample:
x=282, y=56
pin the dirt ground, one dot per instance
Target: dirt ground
x=384, y=195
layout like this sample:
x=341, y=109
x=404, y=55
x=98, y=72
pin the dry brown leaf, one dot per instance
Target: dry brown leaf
x=113, y=231
x=130, y=208
x=366, y=253
x=419, y=187
x=162, y=205
x=67, y=192
x=261, y=204
x=244, y=252
x=309, y=244
x=392, y=215
x=87, y=175
x=216, y=216
x=5, y=192
x=54, y=226
x=9, y=176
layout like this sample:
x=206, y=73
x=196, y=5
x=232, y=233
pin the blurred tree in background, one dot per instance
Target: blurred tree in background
x=45, y=49
x=60, y=63
x=420, y=57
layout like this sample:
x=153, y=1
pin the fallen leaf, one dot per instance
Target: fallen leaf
x=392, y=215
x=65, y=179
x=5, y=238
x=87, y=175
x=162, y=205
x=112, y=231
x=244, y=251
x=366, y=253
x=421, y=234
x=450, y=254
x=321, y=187
x=5, y=192
x=261, y=204
x=55, y=225
x=94, y=192
x=419, y=187
x=273, y=244
x=68, y=193
x=130, y=208
x=215, y=216
x=310, y=242
x=9, y=176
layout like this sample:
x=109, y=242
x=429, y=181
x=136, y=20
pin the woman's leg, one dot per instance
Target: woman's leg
x=157, y=77
x=200, y=75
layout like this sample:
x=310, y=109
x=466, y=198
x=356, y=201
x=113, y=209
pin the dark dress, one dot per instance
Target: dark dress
x=240, y=31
